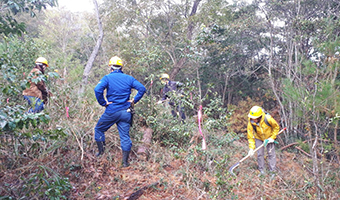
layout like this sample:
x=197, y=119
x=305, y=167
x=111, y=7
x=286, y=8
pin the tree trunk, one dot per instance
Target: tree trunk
x=143, y=149
x=225, y=87
x=94, y=53
x=271, y=79
x=336, y=146
x=178, y=65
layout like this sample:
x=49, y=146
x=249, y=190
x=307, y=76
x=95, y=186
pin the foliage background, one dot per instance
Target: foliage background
x=282, y=55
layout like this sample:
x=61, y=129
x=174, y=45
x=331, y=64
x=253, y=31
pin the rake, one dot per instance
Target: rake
x=243, y=159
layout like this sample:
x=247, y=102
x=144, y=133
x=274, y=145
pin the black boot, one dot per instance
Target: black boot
x=101, y=148
x=126, y=158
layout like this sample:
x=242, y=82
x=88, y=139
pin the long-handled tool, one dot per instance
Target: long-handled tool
x=243, y=159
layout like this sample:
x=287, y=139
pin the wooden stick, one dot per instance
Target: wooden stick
x=298, y=148
x=294, y=143
x=139, y=192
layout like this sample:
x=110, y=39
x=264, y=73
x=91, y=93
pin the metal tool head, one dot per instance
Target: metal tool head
x=232, y=168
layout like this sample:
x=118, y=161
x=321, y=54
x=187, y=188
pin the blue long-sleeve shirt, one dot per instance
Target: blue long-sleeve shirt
x=118, y=89
x=170, y=86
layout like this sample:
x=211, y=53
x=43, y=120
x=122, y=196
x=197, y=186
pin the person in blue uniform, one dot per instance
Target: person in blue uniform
x=169, y=86
x=118, y=106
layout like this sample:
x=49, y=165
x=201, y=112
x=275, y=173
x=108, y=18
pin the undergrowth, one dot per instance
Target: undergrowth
x=53, y=156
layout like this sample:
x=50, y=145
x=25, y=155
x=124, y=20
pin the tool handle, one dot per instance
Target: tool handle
x=259, y=147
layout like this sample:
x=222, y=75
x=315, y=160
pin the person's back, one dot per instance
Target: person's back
x=119, y=107
x=118, y=90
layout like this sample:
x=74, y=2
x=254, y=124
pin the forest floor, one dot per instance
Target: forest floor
x=176, y=179
x=165, y=177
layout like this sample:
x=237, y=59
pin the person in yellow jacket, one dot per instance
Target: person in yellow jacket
x=262, y=128
x=36, y=95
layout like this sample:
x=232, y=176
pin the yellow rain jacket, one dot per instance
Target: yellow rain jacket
x=263, y=131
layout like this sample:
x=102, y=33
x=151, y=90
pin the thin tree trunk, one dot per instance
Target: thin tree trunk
x=178, y=65
x=270, y=66
x=288, y=121
x=94, y=53
x=316, y=170
x=225, y=86
x=336, y=146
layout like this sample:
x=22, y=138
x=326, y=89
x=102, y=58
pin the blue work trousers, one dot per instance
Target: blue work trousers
x=36, y=104
x=123, y=119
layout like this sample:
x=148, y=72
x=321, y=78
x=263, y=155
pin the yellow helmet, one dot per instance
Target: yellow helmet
x=163, y=76
x=42, y=60
x=255, y=112
x=116, y=61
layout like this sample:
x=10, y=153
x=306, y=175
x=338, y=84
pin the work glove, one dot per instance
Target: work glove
x=132, y=101
x=107, y=104
x=267, y=141
x=251, y=152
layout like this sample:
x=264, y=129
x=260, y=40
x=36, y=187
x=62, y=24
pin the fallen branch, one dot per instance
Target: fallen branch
x=289, y=145
x=298, y=148
x=294, y=143
x=307, y=154
x=139, y=192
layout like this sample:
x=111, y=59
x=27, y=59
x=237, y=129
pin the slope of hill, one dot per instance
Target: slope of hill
x=166, y=174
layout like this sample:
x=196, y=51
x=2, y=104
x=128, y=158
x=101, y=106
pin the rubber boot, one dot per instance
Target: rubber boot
x=126, y=158
x=101, y=148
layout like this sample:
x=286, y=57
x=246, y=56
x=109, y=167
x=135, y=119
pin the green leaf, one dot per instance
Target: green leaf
x=12, y=125
x=5, y=90
x=3, y=123
x=34, y=123
x=20, y=124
